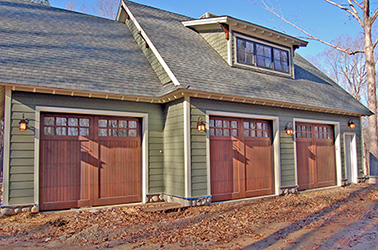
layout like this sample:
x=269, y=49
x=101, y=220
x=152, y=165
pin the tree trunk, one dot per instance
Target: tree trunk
x=372, y=95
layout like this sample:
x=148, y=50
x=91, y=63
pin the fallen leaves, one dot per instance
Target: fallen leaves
x=197, y=227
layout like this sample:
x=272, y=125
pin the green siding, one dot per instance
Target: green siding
x=217, y=40
x=22, y=143
x=287, y=151
x=152, y=59
x=174, y=176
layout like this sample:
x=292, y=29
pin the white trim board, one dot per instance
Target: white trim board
x=354, y=157
x=144, y=138
x=337, y=146
x=6, y=152
x=187, y=148
x=276, y=144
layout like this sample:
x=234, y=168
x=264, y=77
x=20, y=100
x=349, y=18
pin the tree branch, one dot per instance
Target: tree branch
x=375, y=43
x=358, y=4
x=374, y=16
x=355, y=15
x=271, y=10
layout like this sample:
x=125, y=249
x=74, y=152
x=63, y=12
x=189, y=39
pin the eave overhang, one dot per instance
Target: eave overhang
x=201, y=24
x=177, y=94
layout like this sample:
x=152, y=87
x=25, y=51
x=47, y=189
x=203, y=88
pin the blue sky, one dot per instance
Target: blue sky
x=316, y=16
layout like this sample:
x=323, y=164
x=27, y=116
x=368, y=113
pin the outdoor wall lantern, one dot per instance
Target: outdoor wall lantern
x=351, y=124
x=200, y=125
x=23, y=124
x=288, y=129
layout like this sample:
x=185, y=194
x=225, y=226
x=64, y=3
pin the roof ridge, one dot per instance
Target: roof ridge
x=170, y=12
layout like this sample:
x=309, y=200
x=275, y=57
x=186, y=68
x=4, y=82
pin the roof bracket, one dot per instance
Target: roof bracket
x=145, y=42
x=225, y=29
x=127, y=14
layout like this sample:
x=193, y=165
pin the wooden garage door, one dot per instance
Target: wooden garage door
x=241, y=160
x=89, y=161
x=315, y=155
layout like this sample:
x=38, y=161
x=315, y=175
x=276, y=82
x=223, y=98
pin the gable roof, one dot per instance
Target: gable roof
x=51, y=47
x=197, y=66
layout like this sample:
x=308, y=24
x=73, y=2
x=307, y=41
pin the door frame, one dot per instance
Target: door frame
x=336, y=130
x=93, y=112
x=275, y=140
x=354, y=161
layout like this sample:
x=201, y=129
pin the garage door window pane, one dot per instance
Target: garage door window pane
x=219, y=132
x=61, y=131
x=49, y=121
x=246, y=132
x=226, y=124
x=113, y=132
x=234, y=124
x=84, y=131
x=122, y=124
x=102, y=123
x=211, y=124
x=113, y=124
x=102, y=132
x=73, y=122
x=84, y=122
x=218, y=124
x=132, y=133
x=253, y=133
x=132, y=124
x=226, y=132
x=73, y=131
x=49, y=131
x=246, y=125
x=212, y=132
x=61, y=121
x=234, y=132
x=123, y=132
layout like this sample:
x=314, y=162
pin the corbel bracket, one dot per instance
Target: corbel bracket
x=226, y=29
x=145, y=42
x=127, y=14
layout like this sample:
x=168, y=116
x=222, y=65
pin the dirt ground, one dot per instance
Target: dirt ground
x=337, y=218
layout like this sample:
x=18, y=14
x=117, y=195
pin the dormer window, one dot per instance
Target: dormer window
x=262, y=55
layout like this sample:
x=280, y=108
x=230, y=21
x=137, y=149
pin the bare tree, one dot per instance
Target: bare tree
x=71, y=5
x=361, y=12
x=348, y=71
x=107, y=8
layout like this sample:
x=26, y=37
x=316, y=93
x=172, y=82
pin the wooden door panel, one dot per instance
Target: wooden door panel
x=119, y=180
x=259, y=168
x=325, y=163
x=221, y=169
x=82, y=164
x=316, y=165
x=60, y=174
x=305, y=158
x=241, y=163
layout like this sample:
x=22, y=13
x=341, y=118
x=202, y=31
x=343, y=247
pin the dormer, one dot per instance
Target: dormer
x=246, y=45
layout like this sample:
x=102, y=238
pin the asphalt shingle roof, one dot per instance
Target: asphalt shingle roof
x=194, y=62
x=50, y=47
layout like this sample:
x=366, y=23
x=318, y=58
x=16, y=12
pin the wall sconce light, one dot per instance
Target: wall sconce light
x=288, y=129
x=351, y=124
x=23, y=124
x=200, y=125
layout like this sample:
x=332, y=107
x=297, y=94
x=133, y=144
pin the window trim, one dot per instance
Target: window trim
x=265, y=43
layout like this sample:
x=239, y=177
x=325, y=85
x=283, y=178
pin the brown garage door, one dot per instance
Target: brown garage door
x=241, y=160
x=315, y=155
x=89, y=161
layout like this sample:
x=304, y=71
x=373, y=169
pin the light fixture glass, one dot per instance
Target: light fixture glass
x=23, y=124
x=200, y=125
x=351, y=124
x=288, y=129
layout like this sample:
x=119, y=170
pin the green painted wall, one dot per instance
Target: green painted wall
x=154, y=62
x=216, y=38
x=198, y=140
x=22, y=143
x=174, y=176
